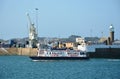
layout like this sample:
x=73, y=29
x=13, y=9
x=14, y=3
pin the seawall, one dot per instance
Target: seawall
x=18, y=51
x=105, y=53
x=99, y=52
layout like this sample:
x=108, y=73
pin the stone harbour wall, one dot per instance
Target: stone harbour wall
x=18, y=51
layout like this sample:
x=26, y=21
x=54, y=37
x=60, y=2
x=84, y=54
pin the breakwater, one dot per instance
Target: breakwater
x=105, y=53
x=18, y=51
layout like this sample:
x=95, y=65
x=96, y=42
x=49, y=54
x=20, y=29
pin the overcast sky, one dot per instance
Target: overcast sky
x=60, y=18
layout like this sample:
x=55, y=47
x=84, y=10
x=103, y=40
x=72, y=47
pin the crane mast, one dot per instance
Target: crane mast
x=32, y=34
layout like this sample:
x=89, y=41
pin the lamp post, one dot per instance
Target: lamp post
x=36, y=19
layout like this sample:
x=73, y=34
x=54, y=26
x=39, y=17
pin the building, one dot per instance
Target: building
x=80, y=40
x=69, y=45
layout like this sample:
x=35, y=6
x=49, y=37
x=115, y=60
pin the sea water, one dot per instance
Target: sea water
x=22, y=67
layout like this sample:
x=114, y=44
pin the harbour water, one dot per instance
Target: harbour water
x=21, y=67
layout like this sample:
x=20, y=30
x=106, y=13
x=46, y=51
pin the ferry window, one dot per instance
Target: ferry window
x=82, y=53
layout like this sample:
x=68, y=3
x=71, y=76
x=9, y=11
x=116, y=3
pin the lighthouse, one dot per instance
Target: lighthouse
x=111, y=28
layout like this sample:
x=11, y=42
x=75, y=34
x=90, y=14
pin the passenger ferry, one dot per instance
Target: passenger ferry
x=47, y=54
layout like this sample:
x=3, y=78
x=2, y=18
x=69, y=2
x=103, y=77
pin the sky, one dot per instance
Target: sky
x=60, y=18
